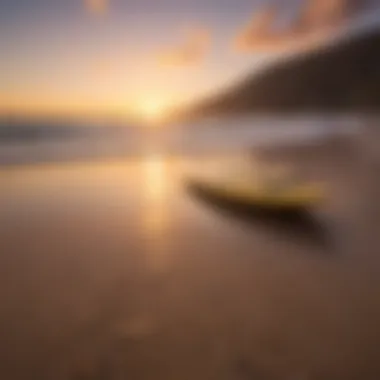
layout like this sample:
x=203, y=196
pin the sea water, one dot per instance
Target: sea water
x=49, y=142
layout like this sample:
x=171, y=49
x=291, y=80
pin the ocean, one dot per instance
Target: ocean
x=23, y=143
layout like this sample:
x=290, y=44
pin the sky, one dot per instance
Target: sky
x=125, y=56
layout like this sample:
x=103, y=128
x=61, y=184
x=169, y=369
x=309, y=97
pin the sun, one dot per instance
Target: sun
x=152, y=109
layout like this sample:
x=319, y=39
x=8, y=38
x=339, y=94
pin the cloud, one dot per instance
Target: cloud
x=96, y=6
x=324, y=13
x=192, y=51
x=314, y=24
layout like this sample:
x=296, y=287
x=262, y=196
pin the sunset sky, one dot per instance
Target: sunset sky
x=119, y=56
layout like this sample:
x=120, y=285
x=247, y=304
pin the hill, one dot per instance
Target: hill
x=340, y=78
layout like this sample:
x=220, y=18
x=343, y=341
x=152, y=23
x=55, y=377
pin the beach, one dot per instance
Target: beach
x=189, y=190
x=111, y=270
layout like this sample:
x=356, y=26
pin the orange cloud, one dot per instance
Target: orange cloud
x=191, y=52
x=324, y=13
x=96, y=6
x=316, y=22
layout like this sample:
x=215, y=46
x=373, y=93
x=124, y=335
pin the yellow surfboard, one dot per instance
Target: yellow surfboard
x=290, y=198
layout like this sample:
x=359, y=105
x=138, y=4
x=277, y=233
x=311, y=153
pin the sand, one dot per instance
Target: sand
x=111, y=271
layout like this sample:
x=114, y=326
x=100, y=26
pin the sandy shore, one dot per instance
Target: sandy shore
x=111, y=271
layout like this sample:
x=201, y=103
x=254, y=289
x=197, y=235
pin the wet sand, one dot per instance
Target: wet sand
x=111, y=271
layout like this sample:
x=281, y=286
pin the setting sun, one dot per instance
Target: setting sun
x=152, y=109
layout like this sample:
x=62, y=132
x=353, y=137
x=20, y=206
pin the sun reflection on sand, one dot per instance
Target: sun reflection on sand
x=155, y=178
x=155, y=211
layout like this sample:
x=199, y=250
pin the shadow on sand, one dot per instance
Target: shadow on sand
x=298, y=226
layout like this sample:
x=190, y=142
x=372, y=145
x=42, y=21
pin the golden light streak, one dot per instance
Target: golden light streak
x=156, y=214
